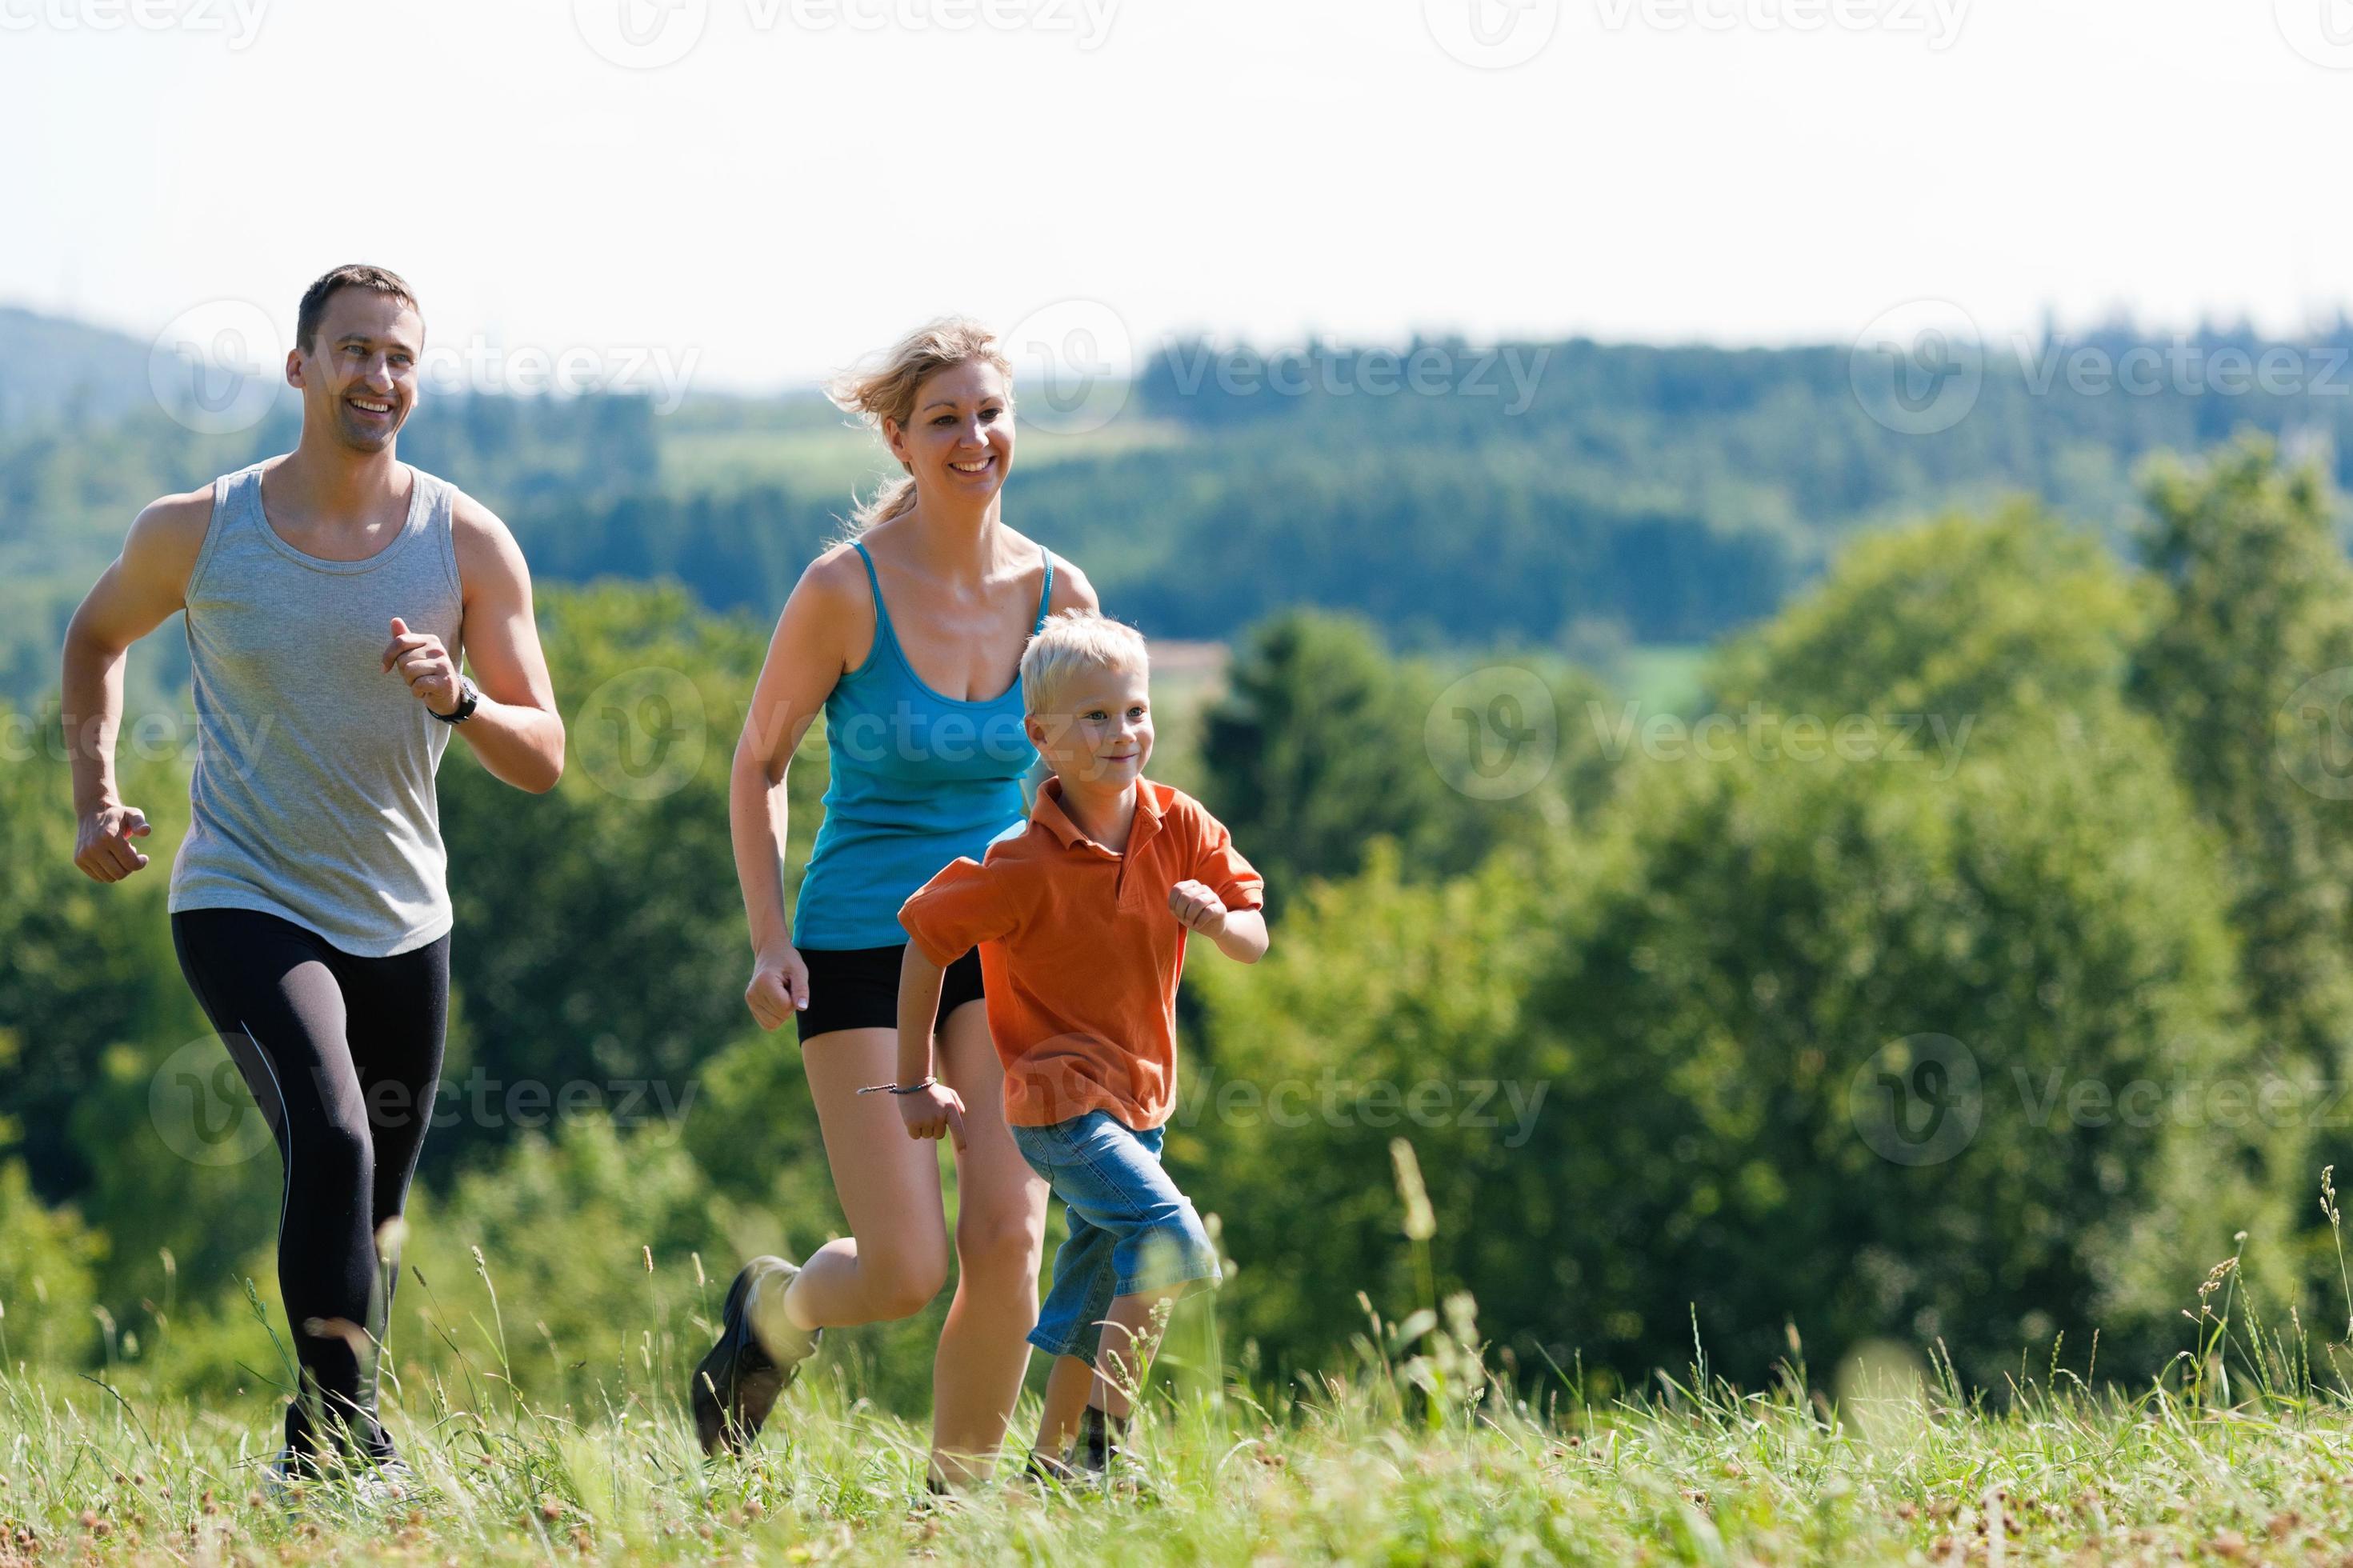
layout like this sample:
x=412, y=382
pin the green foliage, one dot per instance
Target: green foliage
x=86, y=967
x=589, y=1241
x=1321, y=741
x=1384, y=1008
x=2007, y=614
x=1632, y=1017
x=600, y=934
x=47, y=1290
x=1753, y=945
x=2247, y=669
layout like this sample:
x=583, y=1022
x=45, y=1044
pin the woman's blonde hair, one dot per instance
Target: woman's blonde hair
x=1071, y=641
x=886, y=388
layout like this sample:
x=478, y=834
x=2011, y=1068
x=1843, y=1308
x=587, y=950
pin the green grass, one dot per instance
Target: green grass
x=802, y=442
x=1416, y=1454
x=1351, y=1469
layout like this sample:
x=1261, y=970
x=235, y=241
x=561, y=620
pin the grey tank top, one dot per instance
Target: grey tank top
x=313, y=793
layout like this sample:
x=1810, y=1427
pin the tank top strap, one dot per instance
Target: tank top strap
x=1045, y=593
x=240, y=499
x=881, y=611
x=236, y=506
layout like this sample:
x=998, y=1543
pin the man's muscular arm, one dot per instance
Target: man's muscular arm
x=134, y=596
x=515, y=730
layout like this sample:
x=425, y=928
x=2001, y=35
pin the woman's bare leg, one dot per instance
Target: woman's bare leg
x=1000, y=1232
x=896, y=1258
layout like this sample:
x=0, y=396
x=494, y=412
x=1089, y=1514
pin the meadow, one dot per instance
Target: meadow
x=1624, y=809
x=1421, y=1451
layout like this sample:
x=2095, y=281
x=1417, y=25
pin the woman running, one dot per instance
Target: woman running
x=909, y=638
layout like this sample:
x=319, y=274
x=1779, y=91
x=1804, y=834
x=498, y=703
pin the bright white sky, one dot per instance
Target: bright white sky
x=797, y=189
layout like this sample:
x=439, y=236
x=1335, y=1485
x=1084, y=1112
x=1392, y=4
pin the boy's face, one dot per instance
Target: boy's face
x=1104, y=737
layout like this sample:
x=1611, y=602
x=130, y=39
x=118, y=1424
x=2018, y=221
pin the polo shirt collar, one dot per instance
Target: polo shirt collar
x=1047, y=809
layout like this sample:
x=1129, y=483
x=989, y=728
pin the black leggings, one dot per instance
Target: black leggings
x=342, y=1055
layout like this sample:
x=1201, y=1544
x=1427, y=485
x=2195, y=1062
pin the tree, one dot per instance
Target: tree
x=2248, y=668
x=600, y=930
x=1322, y=743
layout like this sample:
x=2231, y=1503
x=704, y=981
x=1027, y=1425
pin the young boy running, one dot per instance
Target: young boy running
x=1081, y=917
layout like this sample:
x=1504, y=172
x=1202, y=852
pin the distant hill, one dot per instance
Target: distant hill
x=66, y=372
x=1564, y=495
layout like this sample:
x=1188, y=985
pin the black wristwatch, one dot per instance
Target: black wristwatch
x=468, y=699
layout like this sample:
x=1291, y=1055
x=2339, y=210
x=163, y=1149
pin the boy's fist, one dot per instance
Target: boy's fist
x=1197, y=909
x=930, y=1111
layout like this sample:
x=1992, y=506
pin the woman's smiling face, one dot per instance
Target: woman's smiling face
x=959, y=441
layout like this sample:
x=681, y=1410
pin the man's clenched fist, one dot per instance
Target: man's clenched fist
x=426, y=665
x=102, y=845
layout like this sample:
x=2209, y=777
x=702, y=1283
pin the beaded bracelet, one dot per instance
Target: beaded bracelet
x=899, y=1088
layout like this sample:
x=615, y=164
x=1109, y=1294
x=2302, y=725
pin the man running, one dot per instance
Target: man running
x=331, y=595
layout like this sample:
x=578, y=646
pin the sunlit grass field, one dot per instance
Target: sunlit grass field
x=1425, y=1448
x=1352, y=1469
x=723, y=444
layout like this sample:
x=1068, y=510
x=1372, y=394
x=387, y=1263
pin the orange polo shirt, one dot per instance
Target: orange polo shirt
x=1078, y=953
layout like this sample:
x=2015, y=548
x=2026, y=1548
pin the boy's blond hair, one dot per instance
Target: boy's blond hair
x=1072, y=641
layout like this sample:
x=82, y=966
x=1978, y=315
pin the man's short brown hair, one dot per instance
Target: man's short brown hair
x=351, y=275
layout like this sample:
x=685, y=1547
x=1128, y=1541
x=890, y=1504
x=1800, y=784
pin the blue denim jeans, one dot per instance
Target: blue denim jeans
x=1131, y=1229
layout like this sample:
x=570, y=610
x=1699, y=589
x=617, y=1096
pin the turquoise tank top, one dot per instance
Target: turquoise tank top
x=917, y=780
